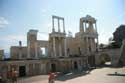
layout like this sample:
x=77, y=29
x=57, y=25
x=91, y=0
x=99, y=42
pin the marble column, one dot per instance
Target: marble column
x=94, y=44
x=46, y=51
x=85, y=27
x=65, y=47
x=97, y=44
x=60, y=47
x=58, y=25
x=53, y=29
x=28, y=49
x=54, y=47
x=81, y=25
x=87, y=54
x=34, y=70
x=95, y=27
x=87, y=43
x=27, y=69
x=63, y=26
x=36, y=54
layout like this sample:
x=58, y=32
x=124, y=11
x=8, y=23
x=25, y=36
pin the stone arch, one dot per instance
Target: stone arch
x=104, y=57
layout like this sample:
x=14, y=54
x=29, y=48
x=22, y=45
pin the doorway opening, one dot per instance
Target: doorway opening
x=75, y=65
x=53, y=67
x=22, y=71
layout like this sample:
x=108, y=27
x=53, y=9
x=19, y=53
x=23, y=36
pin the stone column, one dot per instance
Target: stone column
x=95, y=27
x=87, y=44
x=28, y=49
x=60, y=47
x=54, y=47
x=46, y=51
x=90, y=45
x=53, y=29
x=92, y=42
x=58, y=25
x=65, y=47
x=36, y=54
x=63, y=26
x=34, y=70
x=87, y=54
x=85, y=27
x=97, y=44
x=27, y=69
x=81, y=25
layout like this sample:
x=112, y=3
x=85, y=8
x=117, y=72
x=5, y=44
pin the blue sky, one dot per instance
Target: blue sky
x=18, y=16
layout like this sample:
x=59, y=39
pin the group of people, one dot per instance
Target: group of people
x=12, y=75
x=9, y=77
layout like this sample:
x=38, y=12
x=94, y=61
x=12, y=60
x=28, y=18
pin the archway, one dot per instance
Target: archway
x=105, y=59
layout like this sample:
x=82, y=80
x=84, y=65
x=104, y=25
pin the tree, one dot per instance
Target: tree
x=119, y=35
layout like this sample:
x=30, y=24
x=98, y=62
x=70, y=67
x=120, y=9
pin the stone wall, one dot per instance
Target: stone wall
x=17, y=52
x=27, y=67
x=1, y=54
x=114, y=55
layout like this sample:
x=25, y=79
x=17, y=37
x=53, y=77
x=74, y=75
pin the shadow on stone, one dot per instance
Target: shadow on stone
x=116, y=74
x=72, y=75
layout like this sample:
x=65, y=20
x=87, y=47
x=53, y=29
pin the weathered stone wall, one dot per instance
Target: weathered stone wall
x=1, y=54
x=31, y=67
x=122, y=57
x=114, y=55
x=17, y=52
x=71, y=46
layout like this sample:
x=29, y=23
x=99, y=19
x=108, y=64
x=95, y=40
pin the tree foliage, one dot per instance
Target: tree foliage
x=118, y=36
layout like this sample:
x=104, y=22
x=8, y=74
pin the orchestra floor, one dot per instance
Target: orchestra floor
x=99, y=75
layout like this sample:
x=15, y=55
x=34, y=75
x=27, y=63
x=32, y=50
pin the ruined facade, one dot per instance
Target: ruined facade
x=63, y=54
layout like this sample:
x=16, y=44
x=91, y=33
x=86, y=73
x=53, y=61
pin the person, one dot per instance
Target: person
x=51, y=77
x=13, y=75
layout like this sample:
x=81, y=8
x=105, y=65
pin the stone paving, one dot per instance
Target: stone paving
x=99, y=75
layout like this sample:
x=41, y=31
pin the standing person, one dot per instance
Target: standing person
x=13, y=75
x=51, y=77
x=9, y=76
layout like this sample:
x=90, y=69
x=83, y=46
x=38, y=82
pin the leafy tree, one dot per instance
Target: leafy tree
x=118, y=36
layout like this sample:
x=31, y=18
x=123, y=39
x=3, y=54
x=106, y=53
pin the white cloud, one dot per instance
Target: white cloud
x=44, y=10
x=14, y=37
x=3, y=22
x=11, y=40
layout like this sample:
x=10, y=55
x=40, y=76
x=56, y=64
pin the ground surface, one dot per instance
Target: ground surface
x=100, y=75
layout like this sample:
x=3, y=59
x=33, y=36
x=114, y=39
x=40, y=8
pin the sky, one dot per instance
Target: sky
x=17, y=17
